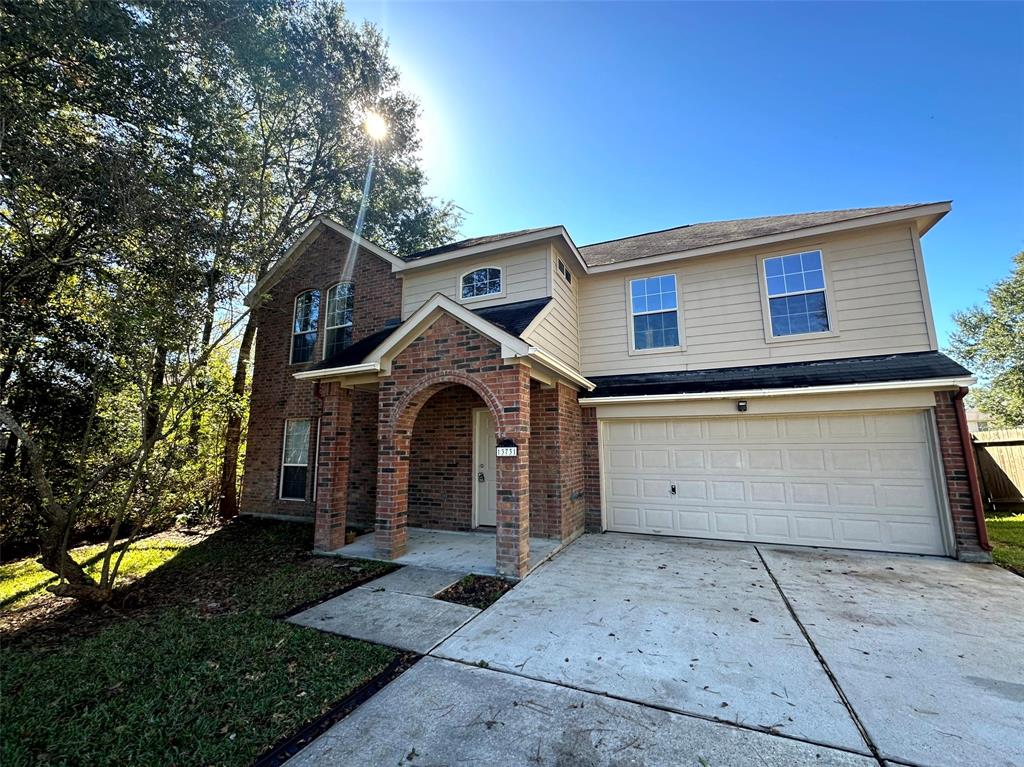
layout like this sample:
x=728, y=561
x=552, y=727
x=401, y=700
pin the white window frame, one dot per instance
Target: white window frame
x=327, y=313
x=766, y=309
x=284, y=446
x=487, y=296
x=681, y=346
x=316, y=330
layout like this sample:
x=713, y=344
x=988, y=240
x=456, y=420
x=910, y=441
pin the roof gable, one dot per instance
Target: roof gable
x=315, y=229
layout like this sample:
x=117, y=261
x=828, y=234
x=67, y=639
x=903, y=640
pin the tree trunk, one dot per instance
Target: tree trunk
x=55, y=558
x=156, y=384
x=195, y=418
x=233, y=436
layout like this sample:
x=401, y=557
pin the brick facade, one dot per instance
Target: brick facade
x=441, y=471
x=556, y=462
x=449, y=353
x=276, y=395
x=958, y=489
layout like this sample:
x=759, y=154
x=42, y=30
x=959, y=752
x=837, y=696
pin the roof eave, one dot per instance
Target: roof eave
x=558, y=233
x=930, y=214
x=937, y=384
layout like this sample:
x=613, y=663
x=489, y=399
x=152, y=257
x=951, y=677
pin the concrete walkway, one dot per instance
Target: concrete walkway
x=397, y=610
x=470, y=552
x=445, y=713
x=633, y=650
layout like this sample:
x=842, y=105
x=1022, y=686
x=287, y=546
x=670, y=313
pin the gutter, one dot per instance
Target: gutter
x=366, y=367
x=972, y=468
x=558, y=367
x=930, y=383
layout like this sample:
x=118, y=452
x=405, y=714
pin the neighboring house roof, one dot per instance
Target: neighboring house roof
x=889, y=368
x=513, y=318
x=702, y=235
x=471, y=242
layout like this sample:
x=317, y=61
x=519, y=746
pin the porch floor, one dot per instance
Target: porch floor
x=469, y=552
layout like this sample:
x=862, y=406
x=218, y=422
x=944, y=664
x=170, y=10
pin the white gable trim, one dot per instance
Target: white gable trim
x=427, y=315
x=309, y=234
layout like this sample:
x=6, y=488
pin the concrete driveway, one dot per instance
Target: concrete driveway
x=643, y=650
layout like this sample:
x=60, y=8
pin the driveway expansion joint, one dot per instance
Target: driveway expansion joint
x=655, y=706
x=824, y=664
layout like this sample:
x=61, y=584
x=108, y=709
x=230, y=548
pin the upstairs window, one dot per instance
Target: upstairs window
x=655, y=311
x=338, y=324
x=295, y=459
x=796, y=294
x=481, y=282
x=304, y=323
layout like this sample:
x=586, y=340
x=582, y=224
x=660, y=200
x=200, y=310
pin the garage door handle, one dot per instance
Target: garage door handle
x=672, y=490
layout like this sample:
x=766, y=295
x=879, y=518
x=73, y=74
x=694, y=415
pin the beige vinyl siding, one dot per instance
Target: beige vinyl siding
x=524, y=277
x=877, y=301
x=557, y=331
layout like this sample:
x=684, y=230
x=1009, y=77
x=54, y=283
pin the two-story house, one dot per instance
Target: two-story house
x=773, y=379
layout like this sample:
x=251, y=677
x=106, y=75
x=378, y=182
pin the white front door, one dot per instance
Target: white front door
x=485, y=487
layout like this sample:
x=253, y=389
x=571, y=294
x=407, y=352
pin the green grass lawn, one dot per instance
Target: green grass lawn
x=25, y=580
x=1007, y=537
x=195, y=667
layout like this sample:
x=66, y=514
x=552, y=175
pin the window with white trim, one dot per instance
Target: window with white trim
x=796, y=294
x=338, y=322
x=655, y=312
x=481, y=282
x=305, y=319
x=295, y=459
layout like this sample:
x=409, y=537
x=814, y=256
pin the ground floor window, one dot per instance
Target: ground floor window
x=295, y=459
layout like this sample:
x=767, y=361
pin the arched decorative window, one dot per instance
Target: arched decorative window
x=305, y=319
x=481, y=282
x=338, y=326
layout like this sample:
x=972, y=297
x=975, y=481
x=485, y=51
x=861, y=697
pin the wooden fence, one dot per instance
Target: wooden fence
x=1001, y=466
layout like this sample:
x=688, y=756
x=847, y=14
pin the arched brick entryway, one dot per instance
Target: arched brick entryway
x=505, y=389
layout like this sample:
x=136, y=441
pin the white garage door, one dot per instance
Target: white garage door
x=860, y=481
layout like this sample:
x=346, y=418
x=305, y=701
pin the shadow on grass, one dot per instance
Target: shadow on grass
x=45, y=578
x=193, y=667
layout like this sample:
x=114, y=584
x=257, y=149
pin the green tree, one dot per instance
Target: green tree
x=154, y=159
x=989, y=339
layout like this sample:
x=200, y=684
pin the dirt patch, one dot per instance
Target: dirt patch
x=479, y=591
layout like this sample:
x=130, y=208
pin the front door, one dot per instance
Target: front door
x=485, y=486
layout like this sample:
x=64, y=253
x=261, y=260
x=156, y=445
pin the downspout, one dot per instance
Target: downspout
x=972, y=467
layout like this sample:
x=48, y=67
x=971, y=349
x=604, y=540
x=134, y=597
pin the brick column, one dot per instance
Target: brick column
x=591, y=471
x=571, y=471
x=513, y=523
x=333, y=467
x=958, y=489
x=391, y=534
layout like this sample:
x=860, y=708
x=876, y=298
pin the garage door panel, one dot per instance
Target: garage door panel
x=857, y=480
x=688, y=459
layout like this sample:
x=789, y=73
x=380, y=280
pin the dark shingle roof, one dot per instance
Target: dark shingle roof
x=471, y=242
x=718, y=233
x=356, y=353
x=512, y=318
x=887, y=368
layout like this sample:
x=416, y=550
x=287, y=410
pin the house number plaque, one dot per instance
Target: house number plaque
x=507, y=448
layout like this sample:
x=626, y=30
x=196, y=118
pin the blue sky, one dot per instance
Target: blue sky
x=616, y=119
